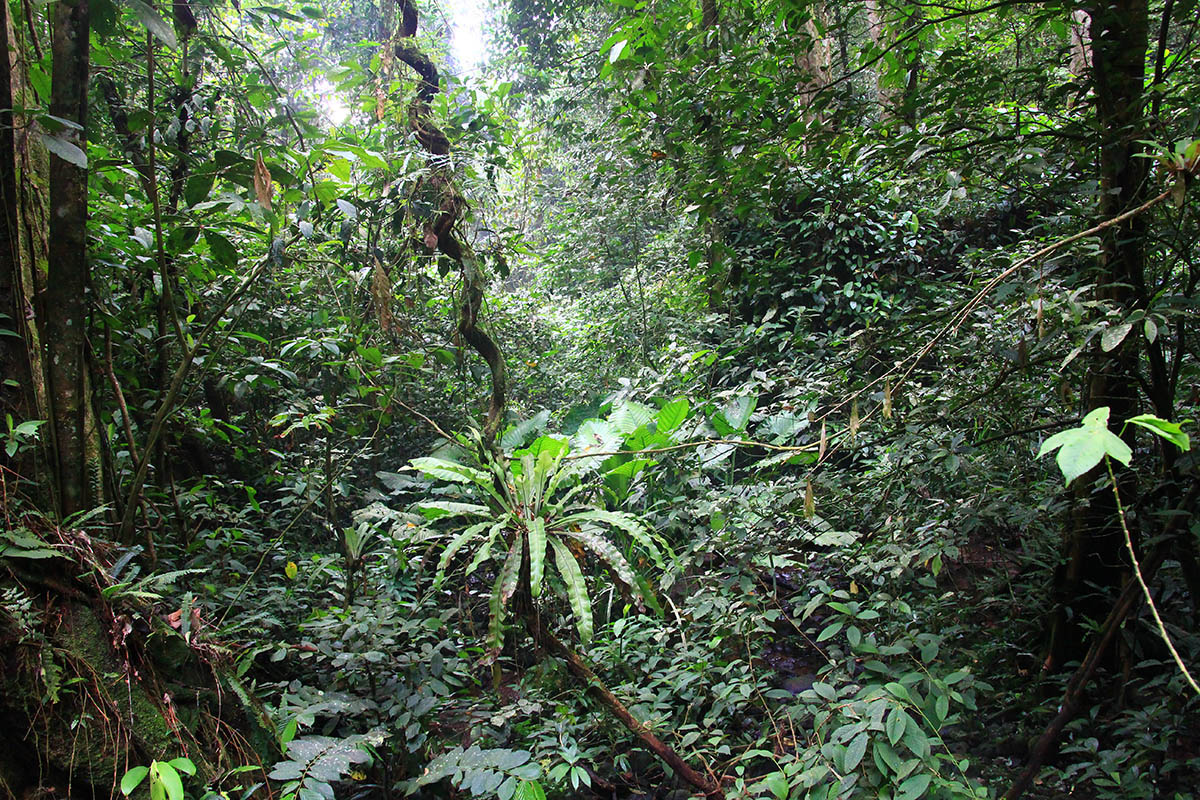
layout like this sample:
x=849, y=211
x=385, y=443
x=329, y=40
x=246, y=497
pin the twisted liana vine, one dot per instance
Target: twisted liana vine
x=439, y=235
x=439, y=229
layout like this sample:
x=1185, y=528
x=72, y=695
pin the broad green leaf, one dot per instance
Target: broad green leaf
x=855, y=751
x=608, y=553
x=485, y=550
x=450, y=471
x=596, y=435
x=777, y=784
x=495, y=637
x=438, y=509
x=577, y=594
x=1171, y=431
x=1114, y=335
x=625, y=522
x=1080, y=449
x=67, y=151
x=629, y=416
x=537, y=554
x=529, y=790
x=162, y=30
x=132, y=779
x=553, y=445
x=896, y=722
x=516, y=435
x=169, y=778
x=510, y=573
x=184, y=765
x=672, y=415
x=198, y=187
x=914, y=787
x=221, y=248
x=732, y=418
x=914, y=738
x=455, y=545
x=885, y=753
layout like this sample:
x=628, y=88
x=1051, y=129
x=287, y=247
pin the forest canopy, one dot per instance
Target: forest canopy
x=781, y=399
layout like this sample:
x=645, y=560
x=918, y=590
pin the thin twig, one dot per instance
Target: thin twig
x=1137, y=571
x=168, y=402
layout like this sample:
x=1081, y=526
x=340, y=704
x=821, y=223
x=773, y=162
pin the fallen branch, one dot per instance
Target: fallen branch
x=553, y=645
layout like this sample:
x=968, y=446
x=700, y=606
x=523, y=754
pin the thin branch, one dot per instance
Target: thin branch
x=1137, y=571
x=168, y=401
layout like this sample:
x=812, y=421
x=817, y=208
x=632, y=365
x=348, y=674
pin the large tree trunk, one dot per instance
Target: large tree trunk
x=14, y=361
x=24, y=254
x=66, y=296
x=1095, y=543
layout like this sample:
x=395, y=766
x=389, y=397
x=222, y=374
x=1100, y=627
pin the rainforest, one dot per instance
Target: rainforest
x=617, y=399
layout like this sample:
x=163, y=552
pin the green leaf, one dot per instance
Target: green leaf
x=455, y=545
x=884, y=752
x=914, y=787
x=221, y=248
x=608, y=553
x=510, y=573
x=438, y=509
x=672, y=415
x=1114, y=335
x=132, y=779
x=577, y=594
x=67, y=151
x=495, y=636
x=485, y=550
x=184, y=765
x=1171, y=431
x=777, y=783
x=733, y=417
x=625, y=522
x=529, y=790
x=1080, y=449
x=629, y=416
x=198, y=187
x=169, y=778
x=596, y=435
x=517, y=434
x=855, y=751
x=158, y=26
x=450, y=471
x=896, y=722
x=537, y=554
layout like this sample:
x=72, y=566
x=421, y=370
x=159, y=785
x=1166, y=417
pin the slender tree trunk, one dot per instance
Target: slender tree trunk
x=67, y=284
x=1095, y=545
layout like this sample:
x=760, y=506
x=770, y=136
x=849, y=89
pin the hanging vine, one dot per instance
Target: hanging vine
x=439, y=229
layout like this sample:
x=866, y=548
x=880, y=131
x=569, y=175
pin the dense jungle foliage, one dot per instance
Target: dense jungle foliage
x=778, y=399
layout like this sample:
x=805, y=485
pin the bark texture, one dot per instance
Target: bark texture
x=1095, y=549
x=66, y=301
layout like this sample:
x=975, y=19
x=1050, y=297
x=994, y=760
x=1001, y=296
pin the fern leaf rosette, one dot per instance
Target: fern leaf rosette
x=533, y=514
